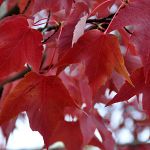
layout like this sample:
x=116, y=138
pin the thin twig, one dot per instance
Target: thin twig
x=49, y=14
x=55, y=27
x=101, y=20
x=128, y=31
x=16, y=77
x=26, y=7
x=44, y=29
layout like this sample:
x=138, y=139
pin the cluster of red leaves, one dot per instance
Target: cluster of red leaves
x=71, y=59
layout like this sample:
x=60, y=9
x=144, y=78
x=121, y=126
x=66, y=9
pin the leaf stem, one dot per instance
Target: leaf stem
x=26, y=7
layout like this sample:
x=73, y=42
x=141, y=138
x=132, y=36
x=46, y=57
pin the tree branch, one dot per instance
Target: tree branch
x=101, y=20
x=16, y=77
x=26, y=7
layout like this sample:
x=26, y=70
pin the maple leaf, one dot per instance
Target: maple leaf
x=43, y=98
x=69, y=34
x=93, y=61
x=125, y=41
x=96, y=142
x=22, y=46
x=26, y=6
x=132, y=62
x=89, y=123
x=8, y=127
x=87, y=128
x=77, y=84
x=102, y=9
x=127, y=91
x=79, y=29
x=52, y=5
x=136, y=14
x=106, y=135
x=100, y=53
x=72, y=131
x=69, y=133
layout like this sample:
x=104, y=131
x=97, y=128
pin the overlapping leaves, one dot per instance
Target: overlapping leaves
x=100, y=53
x=93, y=59
x=19, y=44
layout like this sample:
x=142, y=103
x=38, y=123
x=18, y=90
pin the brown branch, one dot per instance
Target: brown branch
x=44, y=29
x=27, y=6
x=101, y=20
x=49, y=14
x=13, y=78
x=128, y=31
x=100, y=23
x=55, y=28
x=16, y=77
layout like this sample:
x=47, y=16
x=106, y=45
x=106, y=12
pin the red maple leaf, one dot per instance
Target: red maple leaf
x=127, y=91
x=100, y=53
x=52, y=5
x=38, y=95
x=136, y=14
x=74, y=63
x=66, y=39
x=22, y=45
